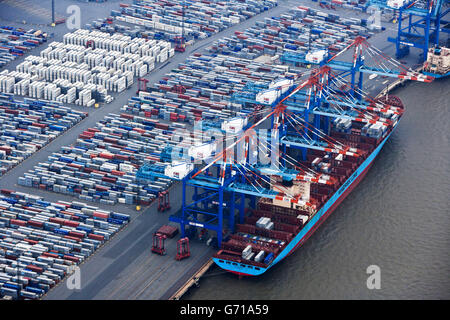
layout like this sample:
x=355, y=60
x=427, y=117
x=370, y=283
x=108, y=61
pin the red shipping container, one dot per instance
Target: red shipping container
x=31, y=241
x=88, y=170
x=122, y=157
x=36, y=224
x=96, y=237
x=34, y=268
x=100, y=188
x=101, y=215
x=6, y=149
x=127, y=116
x=56, y=220
x=71, y=223
x=6, y=191
x=76, y=234
x=162, y=126
x=40, y=125
x=117, y=173
x=72, y=238
x=106, y=155
x=15, y=112
x=67, y=213
x=18, y=222
x=109, y=179
x=110, y=140
x=49, y=254
x=74, y=165
x=70, y=258
x=89, y=133
x=139, y=130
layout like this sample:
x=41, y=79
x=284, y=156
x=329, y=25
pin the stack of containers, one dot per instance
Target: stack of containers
x=41, y=241
x=15, y=42
x=301, y=30
x=28, y=125
x=163, y=19
x=102, y=164
x=111, y=66
x=203, y=88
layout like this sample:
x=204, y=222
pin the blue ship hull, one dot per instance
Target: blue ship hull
x=436, y=75
x=313, y=224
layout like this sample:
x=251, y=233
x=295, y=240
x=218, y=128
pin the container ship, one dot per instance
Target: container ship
x=438, y=62
x=274, y=229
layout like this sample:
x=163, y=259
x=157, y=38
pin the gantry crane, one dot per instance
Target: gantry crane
x=298, y=111
x=425, y=22
x=362, y=58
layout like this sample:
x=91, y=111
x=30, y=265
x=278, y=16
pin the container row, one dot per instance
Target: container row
x=15, y=42
x=85, y=67
x=41, y=242
x=101, y=166
x=164, y=19
x=28, y=125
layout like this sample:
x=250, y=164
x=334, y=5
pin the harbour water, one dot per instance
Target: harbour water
x=398, y=219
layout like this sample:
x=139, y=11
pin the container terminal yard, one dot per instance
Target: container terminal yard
x=94, y=118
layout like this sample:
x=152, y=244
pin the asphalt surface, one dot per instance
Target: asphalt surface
x=124, y=268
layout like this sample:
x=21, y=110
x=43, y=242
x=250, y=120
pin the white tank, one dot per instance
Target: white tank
x=395, y=3
x=202, y=152
x=282, y=84
x=178, y=169
x=126, y=167
x=268, y=96
x=316, y=56
x=234, y=125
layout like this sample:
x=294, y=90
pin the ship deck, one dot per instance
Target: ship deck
x=287, y=221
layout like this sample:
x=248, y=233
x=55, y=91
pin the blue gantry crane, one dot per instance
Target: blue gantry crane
x=425, y=20
x=256, y=156
x=229, y=182
x=361, y=58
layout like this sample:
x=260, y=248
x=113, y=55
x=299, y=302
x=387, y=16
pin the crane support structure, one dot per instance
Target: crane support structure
x=425, y=20
x=263, y=152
